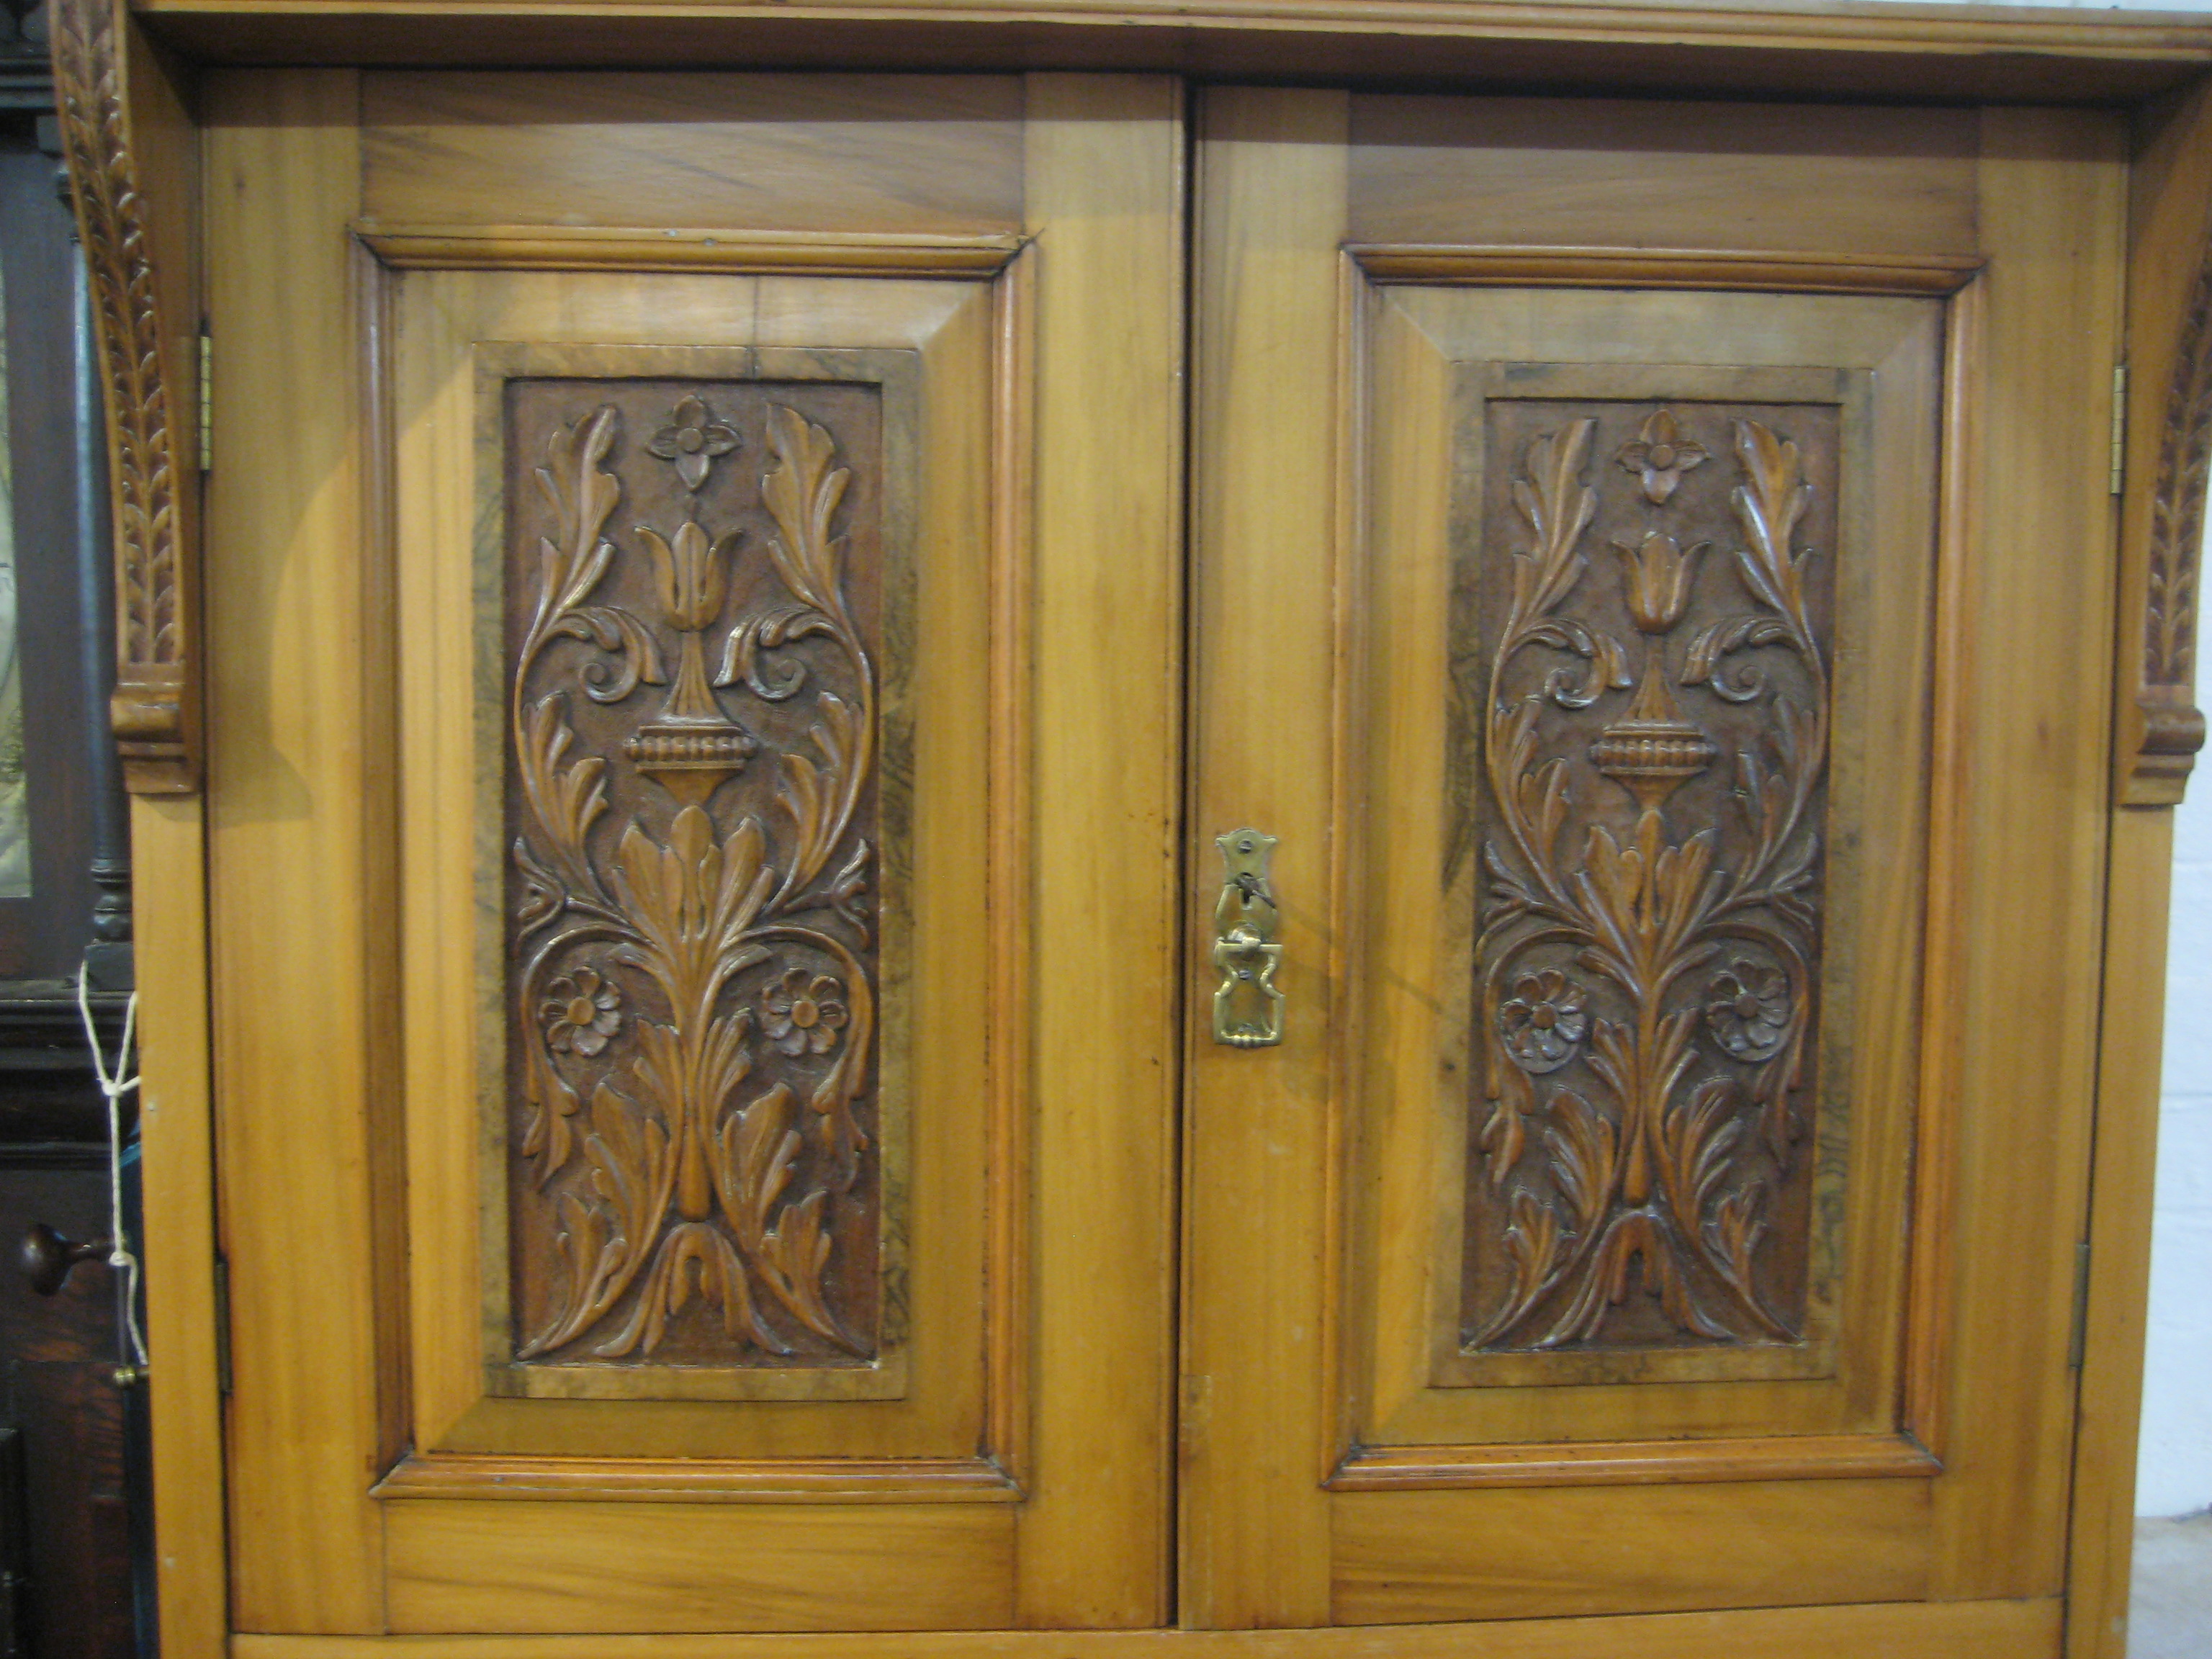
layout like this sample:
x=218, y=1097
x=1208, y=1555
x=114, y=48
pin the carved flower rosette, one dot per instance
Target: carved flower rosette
x=1643, y=732
x=691, y=621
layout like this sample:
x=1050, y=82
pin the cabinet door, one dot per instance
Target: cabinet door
x=661, y=970
x=1653, y=565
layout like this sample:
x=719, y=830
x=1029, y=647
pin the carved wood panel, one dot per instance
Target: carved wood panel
x=1643, y=630
x=692, y=621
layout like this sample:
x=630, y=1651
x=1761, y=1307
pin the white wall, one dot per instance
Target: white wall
x=2174, y=1474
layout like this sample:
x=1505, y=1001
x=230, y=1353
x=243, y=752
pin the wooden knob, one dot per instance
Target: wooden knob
x=46, y=1257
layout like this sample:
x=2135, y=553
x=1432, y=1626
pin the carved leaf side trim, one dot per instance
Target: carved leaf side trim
x=2177, y=527
x=153, y=709
x=104, y=175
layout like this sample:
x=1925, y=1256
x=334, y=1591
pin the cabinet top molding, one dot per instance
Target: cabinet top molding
x=2044, y=54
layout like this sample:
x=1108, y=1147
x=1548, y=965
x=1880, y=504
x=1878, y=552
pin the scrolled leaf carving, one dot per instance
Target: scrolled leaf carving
x=150, y=485
x=1653, y=731
x=2170, y=727
x=692, y=982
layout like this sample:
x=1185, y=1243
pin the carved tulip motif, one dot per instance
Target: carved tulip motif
x=1616, y=1145
x=695, y=746
x=1657, y=572
x=1652, y=749
x=688, y=573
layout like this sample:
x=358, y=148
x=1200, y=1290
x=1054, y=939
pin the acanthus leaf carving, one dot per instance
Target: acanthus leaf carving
x=1647, y=955
x=698, y=971
x=154, y=705
x=2170, y=727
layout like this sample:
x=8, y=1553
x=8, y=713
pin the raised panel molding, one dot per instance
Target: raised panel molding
x=602, y=247
x=1769, y=271
x=1647, y=1463
x=1704, y=510
x=664, y=752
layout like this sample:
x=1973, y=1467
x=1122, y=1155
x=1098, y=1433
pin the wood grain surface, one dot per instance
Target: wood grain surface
x=297, y=790
x=1957, y=1630
x=881, y=154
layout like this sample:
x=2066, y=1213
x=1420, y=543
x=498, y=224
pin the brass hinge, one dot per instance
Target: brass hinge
x=207, y=402
x=2079, y=1340
x=222, y=1325
x=2120, y=425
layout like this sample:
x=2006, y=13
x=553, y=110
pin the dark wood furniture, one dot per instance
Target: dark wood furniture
x=72, y=1464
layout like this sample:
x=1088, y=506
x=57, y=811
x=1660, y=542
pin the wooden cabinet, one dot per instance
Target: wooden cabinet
x=1017, y=859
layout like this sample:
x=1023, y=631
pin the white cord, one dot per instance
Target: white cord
x=114, y=1088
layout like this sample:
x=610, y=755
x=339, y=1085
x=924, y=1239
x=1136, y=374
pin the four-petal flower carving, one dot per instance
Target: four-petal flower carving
x=1661, y=454
x=692, y=439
